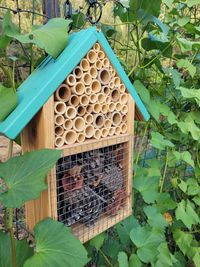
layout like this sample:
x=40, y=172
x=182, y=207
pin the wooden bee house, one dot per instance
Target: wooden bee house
x=84, y=104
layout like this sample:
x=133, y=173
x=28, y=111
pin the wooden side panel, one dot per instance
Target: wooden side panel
x=38, y=134
x=131, y=118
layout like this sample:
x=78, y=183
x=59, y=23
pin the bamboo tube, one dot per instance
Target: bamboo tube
x=111, y=131
x=107, y=123
x=87, y=78
x=117, y=81
x=97, y=134
x=59, y=141
x=115, y=95
x=124, y=109
x=59, y=107
x=88, y=90
x=111, y=107
x=101, y=54
x=104, y=108
x=108, y=99
x=93, y=72
x=96, y=108
x=124, y=98
x=79, y=124
x=106, y=63
x=113, y=73
x=104, y=132
x=77, y=72
x=98, y=64
x=98, y=121
x=101, y=98
x=81, y=138
x=71, y=80
x=93, y=98
x=111, y=84
x=63, y=93
x=81, y=111
x=109, y=115
x=84, y=64
x=74, y=100
x=88, y=118
x=116, y=118
x=89, y=108
x=68, y=124
x=106, y=90
x=70, y=137
x=124, y=118
x=89, y=131
x=96, y=86
x=122, y=88
x=123, y=128
x=78, y=88
x=84, y=100
x=59, y=130
x=97, y=47
x=104, y=76
x=70, y=112
x=59, y=120
x=118, y=106
x=91, y=56
x=117, y=130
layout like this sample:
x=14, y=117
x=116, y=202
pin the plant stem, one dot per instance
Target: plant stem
x=141, y=143
x=12, y=238
x=106, y=258
x=164, y=173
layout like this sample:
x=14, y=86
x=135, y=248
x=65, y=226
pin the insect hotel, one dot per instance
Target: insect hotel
x=83, y=103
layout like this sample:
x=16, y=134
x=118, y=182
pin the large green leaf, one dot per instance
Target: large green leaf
x=147, y=240
x=183, y=240
x=134, y=261
x=122, y=259
x=159, y=141
x=56, y=247
x=186, y=64
x=155, y=219
x=191, y=3
x=188, y=125
x=164, y=258
x=186, y=213
x=98, y=241
x=8, y=101
x=24, y=176
x=190, y=94
x=23, y=251
x=52, y=37
x=146, y=185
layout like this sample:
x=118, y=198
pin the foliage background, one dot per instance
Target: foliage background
x=158, y=44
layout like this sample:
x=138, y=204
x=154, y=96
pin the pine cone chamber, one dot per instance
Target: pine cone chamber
x=90, y=184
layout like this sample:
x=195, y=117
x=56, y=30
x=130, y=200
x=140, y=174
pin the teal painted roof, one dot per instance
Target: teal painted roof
x=43, y=82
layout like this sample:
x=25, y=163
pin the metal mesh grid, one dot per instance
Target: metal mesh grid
x=92, y=189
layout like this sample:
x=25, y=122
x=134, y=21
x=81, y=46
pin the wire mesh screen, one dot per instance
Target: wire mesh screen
x=92, y=189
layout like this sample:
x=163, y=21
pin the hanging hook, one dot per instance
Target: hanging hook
x=94, y=5
x=67, y=7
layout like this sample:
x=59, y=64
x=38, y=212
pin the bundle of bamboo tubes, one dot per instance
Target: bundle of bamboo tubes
x=91, y=102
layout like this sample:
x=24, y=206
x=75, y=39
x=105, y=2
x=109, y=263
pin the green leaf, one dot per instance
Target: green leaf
x=146, y=240
x=122, y=259
x=155, y=219
x=190, y=94
x=187, y=214
x=168, y=3
x=4, y=41
x=185, y=156
x=146, y=185
x=191, y=3
x=183, y=240
x=163, y=46
x=196, y=199
x=193, y=187
x=183, y=21
x=159, y=142
x=98, y=241
x=142, y=91
x=8, y=101
x=23, y=251
x=182, y=185
x=189, y=126
x=184, y=44
x=186, y=64
x=164, y=203
x=134, y=261
x=78, y=20
x=24, y=176
x=52, y=37
x=56, y=246
x=164, y=258
x=166, y=111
